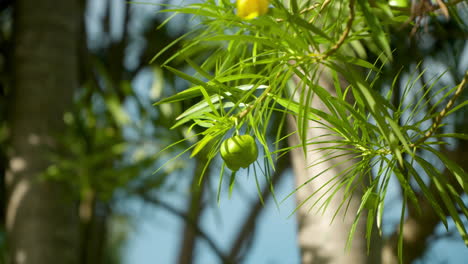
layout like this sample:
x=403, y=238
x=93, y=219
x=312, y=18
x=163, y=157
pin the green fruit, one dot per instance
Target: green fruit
x=239, y=151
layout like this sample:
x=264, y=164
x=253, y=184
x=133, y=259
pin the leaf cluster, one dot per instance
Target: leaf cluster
x=272, y=66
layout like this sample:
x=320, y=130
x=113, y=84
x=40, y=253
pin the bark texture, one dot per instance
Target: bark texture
x=42, y=223
x=320, y=241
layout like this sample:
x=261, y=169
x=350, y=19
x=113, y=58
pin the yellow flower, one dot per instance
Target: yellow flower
x=249, y=9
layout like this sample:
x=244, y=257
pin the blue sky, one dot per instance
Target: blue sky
x=157, y=235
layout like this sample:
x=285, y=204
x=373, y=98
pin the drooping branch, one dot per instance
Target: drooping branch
x=194, y=212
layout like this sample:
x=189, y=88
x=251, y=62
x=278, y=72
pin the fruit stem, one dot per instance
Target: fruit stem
x=444, y=111
x=252, y=106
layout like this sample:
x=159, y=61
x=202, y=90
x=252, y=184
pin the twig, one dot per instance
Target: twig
x=444, y=112
x=455, y=2
x=303, y=11
x=418, y=10
x=310, y=8
x=345, y=34
x=325, y=4
x=443, y=8
x=433, y=8
x=252, y=106
x=185, y=217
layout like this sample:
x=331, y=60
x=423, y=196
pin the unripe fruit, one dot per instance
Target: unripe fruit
x=239, y=151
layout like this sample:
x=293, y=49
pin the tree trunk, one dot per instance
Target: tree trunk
x=42, y=223
x=420, y=225
x=321, y=241
x=94, y=216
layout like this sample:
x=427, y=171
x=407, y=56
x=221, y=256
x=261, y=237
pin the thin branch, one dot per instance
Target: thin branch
x=443, y=8
x=154, y=201
x=260, y=99
x=345, y=34
x=125, y=24
x=444, y=112
x=106, y=20
x=418, y=10
x=455, y=2
x=248, y=228
x=310, y=8
x=194, y=212
x=432, y=9
x=325, y=4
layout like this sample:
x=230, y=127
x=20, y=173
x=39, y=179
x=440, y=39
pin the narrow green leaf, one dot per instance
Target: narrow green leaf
x=155, y=57
x=356, y=61
x=460, y=175
x=242, y=38
x=442, y=187
x=201, y=106
x=293, y=106
x=453, y=135
x=220, y=183
x=201, y=144
x=232, y=180
x=189, y=78
x=184, y=95
x=427, y=193
x=402, y=225
x=297, y=20
x=194, y=11
x=375, y=28
x=369, y=226
x=197, y=68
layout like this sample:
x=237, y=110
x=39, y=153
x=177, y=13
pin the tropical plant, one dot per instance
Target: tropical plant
x=252, y=64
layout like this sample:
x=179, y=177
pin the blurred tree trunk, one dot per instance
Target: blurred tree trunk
x=188, y=241
x=42, y=222
x=420, y=225
x=320, y=241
